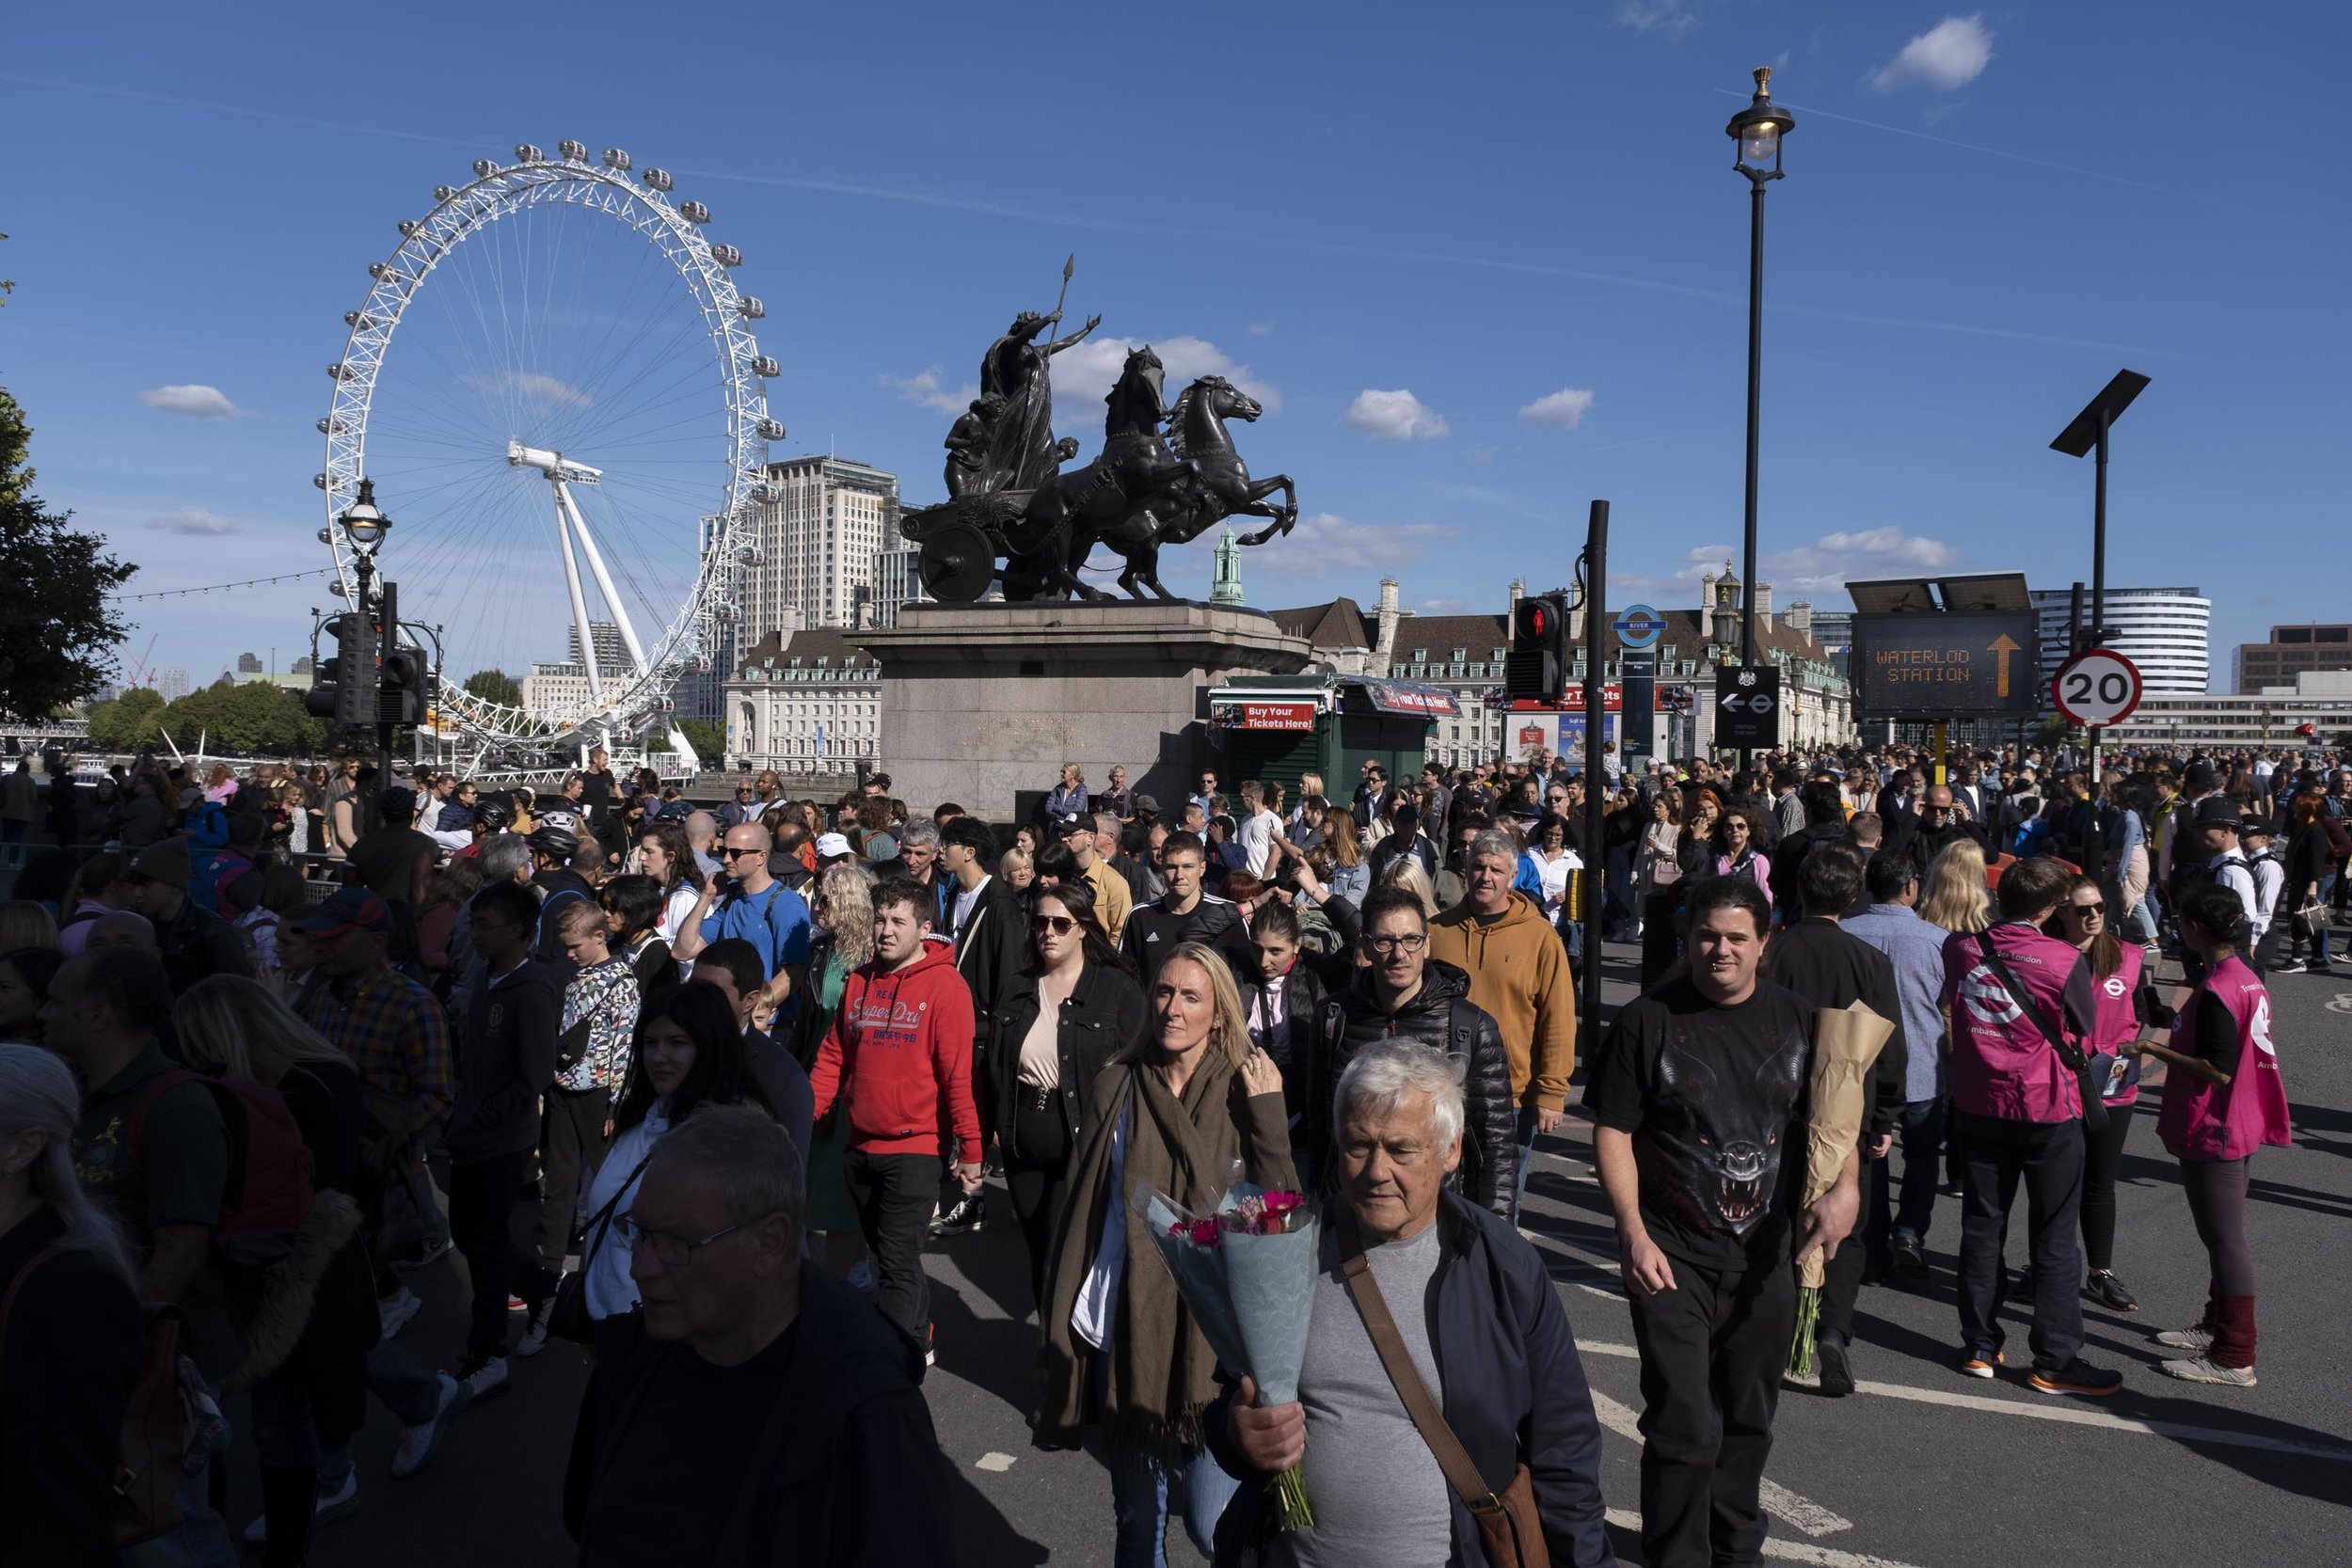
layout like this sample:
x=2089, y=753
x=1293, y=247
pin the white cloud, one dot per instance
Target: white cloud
x=1673, y=18
x=1083, y=376
x=924, y=388
x=194, y=400
x=1946, y=57
x=1262, y=329
x=1563, y=410
x=533, y=386
x=1828, y=562
x=1324, y=537
x=1396, y=416
x=192, y=519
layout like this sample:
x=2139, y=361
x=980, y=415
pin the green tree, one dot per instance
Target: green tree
x=127, y=723
x=709, y=739
x=495, y=685
x=57, y=631
x=254, y=719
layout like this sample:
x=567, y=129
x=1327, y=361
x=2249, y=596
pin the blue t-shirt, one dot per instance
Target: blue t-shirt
x=775, y=923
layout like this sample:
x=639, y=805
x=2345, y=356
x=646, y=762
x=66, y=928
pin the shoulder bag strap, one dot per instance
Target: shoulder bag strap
x=1461, y=1471
x=2073, y=1056
x=601, y=1221
x=7, y=1302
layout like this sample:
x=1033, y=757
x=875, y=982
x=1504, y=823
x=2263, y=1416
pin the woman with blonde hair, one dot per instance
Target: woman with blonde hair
x=1310, y=789
x=1175, y=1112
x=313, y=1397
x=1955, y=896
x=74, y=1337
x=844, y=943
x=1406, y=872
x=1351, y=875
x=1017, y=868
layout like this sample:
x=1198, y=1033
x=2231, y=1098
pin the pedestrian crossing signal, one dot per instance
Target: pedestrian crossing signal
x=1537, y=666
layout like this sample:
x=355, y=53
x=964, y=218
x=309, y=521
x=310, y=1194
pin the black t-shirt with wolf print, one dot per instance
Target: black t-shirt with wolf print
x=1714, y=1098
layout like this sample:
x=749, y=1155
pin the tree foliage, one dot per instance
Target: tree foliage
x=495, y=685
x=255, y=719
x=127, y=723
x=58, y=631
x=709, y=739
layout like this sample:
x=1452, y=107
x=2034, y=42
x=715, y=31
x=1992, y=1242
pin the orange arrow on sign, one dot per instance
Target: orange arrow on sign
x=2002, y=646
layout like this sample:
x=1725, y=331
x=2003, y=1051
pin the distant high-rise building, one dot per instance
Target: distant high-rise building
x=897, y=581
x=170, y=685
x=818, y=535
x=612, y=652
x=248, y=664
x=302, y=666
x=2162, y=630
x=2291, y=651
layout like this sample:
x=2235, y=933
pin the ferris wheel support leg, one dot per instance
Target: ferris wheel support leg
x=571, y=581
x=604, y=581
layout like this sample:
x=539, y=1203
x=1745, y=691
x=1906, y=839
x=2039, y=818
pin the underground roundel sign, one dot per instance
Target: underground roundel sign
x=2096, y=688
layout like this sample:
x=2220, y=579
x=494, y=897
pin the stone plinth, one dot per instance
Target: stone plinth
x=981, y=702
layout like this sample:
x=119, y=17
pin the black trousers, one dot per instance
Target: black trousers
x=1037, y=1167
x=482, y=1197
x=1713, y=1352
x=2102, y=1157
x=2047, y=1156
x=571, y=1146
x=1841, y=1277
x=893, y=1194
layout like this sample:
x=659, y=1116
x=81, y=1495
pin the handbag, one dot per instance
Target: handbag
x=568, y=1317
x=1509, y=1526
x=2073, y=1058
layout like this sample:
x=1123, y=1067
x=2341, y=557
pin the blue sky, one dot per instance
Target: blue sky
x=1496, y=210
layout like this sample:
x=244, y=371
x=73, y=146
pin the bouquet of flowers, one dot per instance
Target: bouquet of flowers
x=1246, y=1272
x=1845, y=1044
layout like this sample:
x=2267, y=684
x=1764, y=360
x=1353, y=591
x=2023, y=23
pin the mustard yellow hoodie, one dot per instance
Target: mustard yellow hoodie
x=1519, y=972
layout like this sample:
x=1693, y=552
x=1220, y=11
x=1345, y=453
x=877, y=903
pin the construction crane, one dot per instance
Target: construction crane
x=141, y=672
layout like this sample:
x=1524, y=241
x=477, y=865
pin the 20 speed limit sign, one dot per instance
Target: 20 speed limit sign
x=2097, y=687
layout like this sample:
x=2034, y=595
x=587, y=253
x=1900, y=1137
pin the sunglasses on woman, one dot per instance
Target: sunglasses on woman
x=1060, y=924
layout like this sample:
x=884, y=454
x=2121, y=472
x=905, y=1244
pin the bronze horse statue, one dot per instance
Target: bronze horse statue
x=1144, y=491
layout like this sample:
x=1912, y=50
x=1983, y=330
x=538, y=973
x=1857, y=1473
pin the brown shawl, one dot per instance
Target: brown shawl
x=1162, y=1370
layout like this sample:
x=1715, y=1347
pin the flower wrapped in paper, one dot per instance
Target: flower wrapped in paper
x=1845, y=1044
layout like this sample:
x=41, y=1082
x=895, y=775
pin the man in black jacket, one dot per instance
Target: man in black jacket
x=1826, y=822
x=1833, y=969
x=1402, y=993
x=1186, y=913
x=1465, y=1291
x=755, y=1412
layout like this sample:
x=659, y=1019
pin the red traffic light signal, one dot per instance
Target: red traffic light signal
x=1538, y=663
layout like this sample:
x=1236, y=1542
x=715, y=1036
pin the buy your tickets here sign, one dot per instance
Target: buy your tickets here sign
x=1272, y=716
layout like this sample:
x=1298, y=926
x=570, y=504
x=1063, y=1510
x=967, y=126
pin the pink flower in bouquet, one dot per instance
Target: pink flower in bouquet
x=1200, y=1232
x=1282, y=1203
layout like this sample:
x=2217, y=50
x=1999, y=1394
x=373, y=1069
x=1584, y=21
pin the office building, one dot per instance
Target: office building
x=2291, y=651
x=816, y=531
x=2162, y=630
x=170, y=685
x=897, y=581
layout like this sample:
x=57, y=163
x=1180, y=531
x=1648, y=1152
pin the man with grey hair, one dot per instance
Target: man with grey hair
x=1419, y=1289
x=918, y=858
x=752, y=1409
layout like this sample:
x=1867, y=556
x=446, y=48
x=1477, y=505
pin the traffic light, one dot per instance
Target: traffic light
x=1539, y=664
x=342, y=686
x=403, y=688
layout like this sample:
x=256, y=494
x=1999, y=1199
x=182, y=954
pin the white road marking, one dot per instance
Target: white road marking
x=1806, y=1515
x=2070, y=1414
x=1788, y=1551
x=993, y=1462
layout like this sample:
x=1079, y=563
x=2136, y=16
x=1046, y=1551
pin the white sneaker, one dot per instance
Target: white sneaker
x=534, y=1335
x=328, y=1505
x=396, y=1313
x=418, y=1442
x=2200, y=1339
x=2202, y=1369
x=484, y=1380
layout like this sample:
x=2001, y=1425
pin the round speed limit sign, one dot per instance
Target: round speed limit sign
x=2096, y=688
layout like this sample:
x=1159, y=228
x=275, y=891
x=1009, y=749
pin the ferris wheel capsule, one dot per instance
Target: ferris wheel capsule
x=656, y=179
x=616, y=160
x=771, y=430
x=358, y=318
x=766, y=365
x=572, y=152
x=726, y=255
x=408, y=227
x=694, y=212
x=442, y=193
x=340, y=372
x=526, y=154
x=319, y=480
x=753, y=308
x=483, y=169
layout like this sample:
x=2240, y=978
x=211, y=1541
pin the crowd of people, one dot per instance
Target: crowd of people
x=698, y=1087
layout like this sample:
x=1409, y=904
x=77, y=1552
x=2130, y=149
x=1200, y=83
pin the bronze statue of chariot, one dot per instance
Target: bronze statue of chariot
x=1168, y=472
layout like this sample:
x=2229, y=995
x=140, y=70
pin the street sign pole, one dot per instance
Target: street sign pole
x=1595, y=720
x=1943, y=738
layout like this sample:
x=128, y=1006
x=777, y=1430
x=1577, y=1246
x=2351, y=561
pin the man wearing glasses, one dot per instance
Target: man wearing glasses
x=1401, y=992
x=743, y=808
x=754, y=1398
x=745, y=900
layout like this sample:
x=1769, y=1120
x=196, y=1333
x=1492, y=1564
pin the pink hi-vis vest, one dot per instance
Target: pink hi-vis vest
x=2117, y=1025
x=2205, y=1121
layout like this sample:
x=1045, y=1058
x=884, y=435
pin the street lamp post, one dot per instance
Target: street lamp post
x=1757, y=131
x=364, y=528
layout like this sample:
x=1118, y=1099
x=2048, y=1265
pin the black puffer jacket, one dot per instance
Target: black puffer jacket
x=1440, y=1016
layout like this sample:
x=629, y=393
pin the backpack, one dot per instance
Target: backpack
x=266, y=1201
x=152, y=1443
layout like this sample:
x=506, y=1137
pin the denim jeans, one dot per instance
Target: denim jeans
x=1139, y=1503
x=2323, y=929
x=1527, y=1157
x=1919, y=1133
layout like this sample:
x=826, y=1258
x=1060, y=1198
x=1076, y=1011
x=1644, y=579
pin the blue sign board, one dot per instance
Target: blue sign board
x=1638, y=626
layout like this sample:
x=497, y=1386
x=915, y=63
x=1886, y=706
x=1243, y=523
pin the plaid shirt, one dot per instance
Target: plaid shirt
x=392, y=1030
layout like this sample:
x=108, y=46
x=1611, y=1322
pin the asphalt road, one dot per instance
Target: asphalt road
x=1922, y=1467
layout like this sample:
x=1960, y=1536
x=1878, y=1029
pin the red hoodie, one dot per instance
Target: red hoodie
x=899, y=1040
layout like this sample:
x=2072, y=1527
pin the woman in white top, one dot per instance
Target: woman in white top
x=1545, y=868
x=668, y=859
x=687, y=1052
